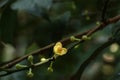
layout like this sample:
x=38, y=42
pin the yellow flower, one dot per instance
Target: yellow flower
x=59, y=50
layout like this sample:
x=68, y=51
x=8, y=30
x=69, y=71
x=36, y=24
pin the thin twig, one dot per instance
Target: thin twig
x=104, y=10
x=11, y=71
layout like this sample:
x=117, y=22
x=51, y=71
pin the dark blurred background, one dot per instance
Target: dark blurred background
x=26, y=25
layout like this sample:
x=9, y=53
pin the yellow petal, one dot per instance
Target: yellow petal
x=57, y=47
x=64, y=51
x=58, y=44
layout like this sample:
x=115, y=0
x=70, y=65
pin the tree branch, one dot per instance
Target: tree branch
x=65, y=41
x=10, y=71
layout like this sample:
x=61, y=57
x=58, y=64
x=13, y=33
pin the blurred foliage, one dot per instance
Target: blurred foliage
x=31, y=24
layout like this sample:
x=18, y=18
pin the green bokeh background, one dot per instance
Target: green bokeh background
x=31, y=24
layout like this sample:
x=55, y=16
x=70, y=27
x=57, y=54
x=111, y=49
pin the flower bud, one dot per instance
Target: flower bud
x=72, y=38
x=19, y=66
x=30, y=59
x=50, y=69
x=43, y=59
x=85, y=37
x=30, y=74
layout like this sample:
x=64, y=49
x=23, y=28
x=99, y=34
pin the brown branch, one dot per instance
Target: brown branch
x=78, y=74
x=65, y=41
x=3, y=63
